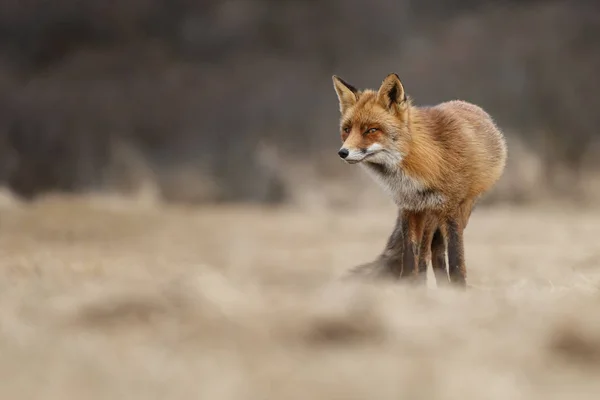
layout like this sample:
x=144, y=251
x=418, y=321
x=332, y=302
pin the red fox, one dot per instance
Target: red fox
x=435, y=163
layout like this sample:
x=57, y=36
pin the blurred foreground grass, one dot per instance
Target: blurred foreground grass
x=111, y=299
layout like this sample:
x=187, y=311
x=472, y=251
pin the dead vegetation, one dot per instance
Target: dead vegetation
x=104, y=298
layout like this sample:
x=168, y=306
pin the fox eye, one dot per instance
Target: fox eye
x=347, y=130
x=372, y=130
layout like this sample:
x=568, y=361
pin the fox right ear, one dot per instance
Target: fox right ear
x=391, y=93
x=347, y=94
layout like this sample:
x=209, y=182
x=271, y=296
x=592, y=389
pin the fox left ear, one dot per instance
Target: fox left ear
x=346, y=93
x=391, y=93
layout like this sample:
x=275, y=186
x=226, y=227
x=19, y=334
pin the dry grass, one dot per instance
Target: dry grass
x=110, y=300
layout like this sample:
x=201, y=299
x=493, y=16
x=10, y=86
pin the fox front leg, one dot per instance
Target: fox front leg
x=424, y=254
x=438, y=257
x=413, y=225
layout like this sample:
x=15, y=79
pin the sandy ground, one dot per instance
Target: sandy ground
x=111, y=300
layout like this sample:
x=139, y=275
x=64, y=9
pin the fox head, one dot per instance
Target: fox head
x=373, y=124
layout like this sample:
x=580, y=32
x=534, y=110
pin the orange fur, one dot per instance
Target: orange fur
x=435, y=162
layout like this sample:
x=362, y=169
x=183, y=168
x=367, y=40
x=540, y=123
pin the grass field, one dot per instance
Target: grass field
x=106, y=299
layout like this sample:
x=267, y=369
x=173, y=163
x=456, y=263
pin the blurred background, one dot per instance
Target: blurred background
x=206, y=101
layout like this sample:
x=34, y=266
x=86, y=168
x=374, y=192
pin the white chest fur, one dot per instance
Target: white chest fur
x=408, y=193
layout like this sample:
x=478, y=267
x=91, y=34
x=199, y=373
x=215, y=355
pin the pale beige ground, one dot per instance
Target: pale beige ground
x=110, y=300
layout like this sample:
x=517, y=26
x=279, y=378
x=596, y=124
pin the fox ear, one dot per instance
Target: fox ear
x=346, y=93
x=391, y=93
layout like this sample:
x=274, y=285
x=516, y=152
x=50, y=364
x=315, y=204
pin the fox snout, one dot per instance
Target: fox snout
x=352, y=156
x=355, y=155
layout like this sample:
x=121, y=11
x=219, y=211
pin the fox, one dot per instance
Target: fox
x=435, y=162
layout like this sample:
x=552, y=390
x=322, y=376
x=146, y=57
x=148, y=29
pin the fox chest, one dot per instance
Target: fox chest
x=407, y=192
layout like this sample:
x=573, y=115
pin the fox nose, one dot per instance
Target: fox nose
x=343, y=153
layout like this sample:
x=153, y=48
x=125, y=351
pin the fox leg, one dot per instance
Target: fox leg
x=425, y=252
x=456, y=253
x=456, y=224
x=438, y=256
x=413, y=225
